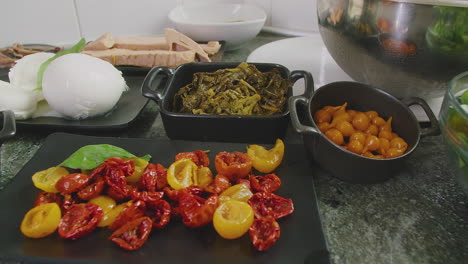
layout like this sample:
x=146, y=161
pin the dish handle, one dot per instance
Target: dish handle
x=293, y=102
x=157, y=94
x=308, y=81
x=9, y=125
x=434, y=129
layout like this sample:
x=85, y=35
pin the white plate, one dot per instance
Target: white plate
x=310, y=54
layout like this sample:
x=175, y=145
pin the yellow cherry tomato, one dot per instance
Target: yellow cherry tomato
x=46, y=179
x=204, y=176
x=109, y=217
x=233, y=219
x=238, y=192
x=140, y=166
x=264, y=160
x=41, y=220
x=182, y=174
x=106, y=203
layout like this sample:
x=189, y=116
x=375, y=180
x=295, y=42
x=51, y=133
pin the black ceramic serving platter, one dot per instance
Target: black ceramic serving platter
x=302, y=239
x=127, y=109
x=226, y=128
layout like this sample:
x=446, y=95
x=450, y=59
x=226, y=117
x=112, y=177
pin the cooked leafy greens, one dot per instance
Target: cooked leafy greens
x=243, y=90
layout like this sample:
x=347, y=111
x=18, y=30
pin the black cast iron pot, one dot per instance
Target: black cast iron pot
x=223, y=128
x=342, y=163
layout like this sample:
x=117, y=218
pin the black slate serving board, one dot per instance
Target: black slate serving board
x=302, y=239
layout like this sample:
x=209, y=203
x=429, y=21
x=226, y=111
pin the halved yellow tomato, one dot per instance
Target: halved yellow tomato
x=239, y=192
x=204, y=176
x=41, y=220
x=109, y=217
x=264, y=160
x=233, y=219
x=182, y=174
x=46, y=179
x=107, y=204
x=140, y=166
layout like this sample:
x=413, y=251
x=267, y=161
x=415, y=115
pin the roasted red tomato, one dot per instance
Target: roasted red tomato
x=145, y=196
x=174, y=195
x=135, y=210
x=159, y=212
x=72, y=183
x=154, y=178
x=199, y=157
x=47, y=197
x=118, y=188
x=264, y=232
x=234, y=165
x=267, y=183
x=68, y=201
x=219, y=185
x=126, y=166
x=246, y=182
x=270, y=204
x=92, y=190
x=79, y=220
x=133, y=234
x=196, y=211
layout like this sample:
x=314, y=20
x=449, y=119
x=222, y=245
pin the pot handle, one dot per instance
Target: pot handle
x=308, y=82
x=434, y=129
x=293, y=101
x=158, y=93
x=9, y=125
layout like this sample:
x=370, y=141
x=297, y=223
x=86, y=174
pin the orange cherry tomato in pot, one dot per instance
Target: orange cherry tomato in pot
x=270, y=204
x=268, y=183
x=79, y=220
x=233, y=165
x=133, y=234
x=264, y=232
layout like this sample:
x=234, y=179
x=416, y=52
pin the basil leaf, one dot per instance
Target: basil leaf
x=77, y=48
x=91, y=156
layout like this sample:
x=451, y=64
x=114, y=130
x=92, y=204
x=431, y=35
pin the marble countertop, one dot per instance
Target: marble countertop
x=418, y=216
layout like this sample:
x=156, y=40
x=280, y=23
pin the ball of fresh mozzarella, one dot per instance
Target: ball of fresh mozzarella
x=22, y=103
x=79, y=86
x=24, y=74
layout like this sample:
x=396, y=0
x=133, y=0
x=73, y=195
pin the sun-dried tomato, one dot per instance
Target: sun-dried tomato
x=79, y=220
x=233, y=165
x=133, y=211
x=133, y=234
x=159, y=212
x=118, y=188
x=269, y=204
x=196, y=211
x=126, y=166
x=219, y=185
x=199, y=157
x=268, y=183
x=154, y=178
x=72, y=183
x=68, y=201
x=92, y=190
x=174, y=195
x=47, y=197
x=264, y=232
x=145, y=196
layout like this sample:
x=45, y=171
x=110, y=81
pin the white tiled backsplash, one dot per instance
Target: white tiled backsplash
x=62, y=22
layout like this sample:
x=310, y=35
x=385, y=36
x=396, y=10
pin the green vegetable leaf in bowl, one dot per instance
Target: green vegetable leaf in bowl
x=77, y=48
x=464, y=98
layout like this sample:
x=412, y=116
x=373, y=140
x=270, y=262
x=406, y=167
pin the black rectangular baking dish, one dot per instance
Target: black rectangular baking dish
x=221, y=128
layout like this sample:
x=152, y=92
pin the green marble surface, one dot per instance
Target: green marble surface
x=418, y=216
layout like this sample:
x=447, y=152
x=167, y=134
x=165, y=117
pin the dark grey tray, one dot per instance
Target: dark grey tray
x=302, y=239
x=128, y=108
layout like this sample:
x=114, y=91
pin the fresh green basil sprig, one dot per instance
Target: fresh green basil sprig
x=77, y=48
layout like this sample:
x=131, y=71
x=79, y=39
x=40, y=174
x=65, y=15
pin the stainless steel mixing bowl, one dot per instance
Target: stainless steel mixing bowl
x=408, y=48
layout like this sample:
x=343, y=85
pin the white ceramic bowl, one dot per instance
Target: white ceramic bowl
x=233, y=23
